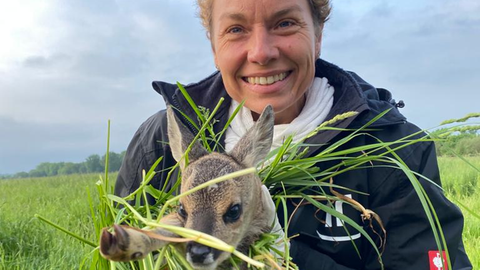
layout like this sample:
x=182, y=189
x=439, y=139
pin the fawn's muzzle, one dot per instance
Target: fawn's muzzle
x=200, y=254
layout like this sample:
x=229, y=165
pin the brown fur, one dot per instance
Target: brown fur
x=207, y=209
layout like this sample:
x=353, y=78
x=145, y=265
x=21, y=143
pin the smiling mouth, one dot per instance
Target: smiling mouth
x=267, y=80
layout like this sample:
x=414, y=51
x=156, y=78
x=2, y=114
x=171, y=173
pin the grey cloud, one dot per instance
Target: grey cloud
x=36, y=61
x=25, y=145
x=100, y=68
x=110, y=65
x=381, y=9
x=425, y=54
x=113, y=40
x=107, y=53
x=44, y=63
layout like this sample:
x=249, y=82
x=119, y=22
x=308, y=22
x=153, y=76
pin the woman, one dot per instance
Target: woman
x=267, y=52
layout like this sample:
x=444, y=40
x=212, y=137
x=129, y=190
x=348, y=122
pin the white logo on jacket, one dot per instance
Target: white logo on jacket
x=339, y=223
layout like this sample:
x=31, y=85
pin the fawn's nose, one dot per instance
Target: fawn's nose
x=199, y=253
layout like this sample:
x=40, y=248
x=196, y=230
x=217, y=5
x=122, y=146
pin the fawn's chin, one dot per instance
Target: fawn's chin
x=210, y=266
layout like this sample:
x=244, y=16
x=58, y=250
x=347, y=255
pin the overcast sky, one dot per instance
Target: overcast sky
x=66, y=66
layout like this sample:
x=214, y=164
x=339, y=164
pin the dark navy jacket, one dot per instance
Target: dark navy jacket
x=324, y=242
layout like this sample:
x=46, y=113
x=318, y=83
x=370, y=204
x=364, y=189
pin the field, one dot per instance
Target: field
x=462, y=186
x=27, y=243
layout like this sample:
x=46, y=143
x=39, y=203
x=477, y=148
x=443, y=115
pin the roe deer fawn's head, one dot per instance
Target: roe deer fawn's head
x=231, y=210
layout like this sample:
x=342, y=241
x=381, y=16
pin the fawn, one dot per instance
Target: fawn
x=233, y=211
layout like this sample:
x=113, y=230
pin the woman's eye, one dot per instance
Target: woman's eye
x=233, y=213
x=285, y=24
x=235, y=30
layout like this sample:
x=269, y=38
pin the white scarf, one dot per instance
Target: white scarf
x=319, y=101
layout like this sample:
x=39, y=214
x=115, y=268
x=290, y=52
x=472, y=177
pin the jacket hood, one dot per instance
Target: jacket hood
x=352, y=93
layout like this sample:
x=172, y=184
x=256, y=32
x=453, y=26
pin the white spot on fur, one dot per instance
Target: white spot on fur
x=214, y=186
x=209, y=259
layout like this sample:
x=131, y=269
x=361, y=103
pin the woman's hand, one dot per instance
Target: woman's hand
x=271, y=217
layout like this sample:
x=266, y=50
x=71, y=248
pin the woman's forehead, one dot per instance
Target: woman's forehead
x=250, y=9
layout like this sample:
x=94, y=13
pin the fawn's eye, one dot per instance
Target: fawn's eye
x=182, y=212
x=233, y=213
x=137, y=255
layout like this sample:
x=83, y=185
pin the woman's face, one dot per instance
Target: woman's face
x=266, y=51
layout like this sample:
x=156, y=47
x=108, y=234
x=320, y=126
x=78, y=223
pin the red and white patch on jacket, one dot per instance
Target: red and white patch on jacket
x=436, y=260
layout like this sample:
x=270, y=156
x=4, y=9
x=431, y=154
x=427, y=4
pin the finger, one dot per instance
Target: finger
x=268, y=204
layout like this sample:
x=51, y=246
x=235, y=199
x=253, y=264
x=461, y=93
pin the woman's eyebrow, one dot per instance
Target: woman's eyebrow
x=285, y=11
x=241, y=17
x=233, y=16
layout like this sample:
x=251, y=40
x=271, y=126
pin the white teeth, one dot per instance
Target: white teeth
x=267, y=80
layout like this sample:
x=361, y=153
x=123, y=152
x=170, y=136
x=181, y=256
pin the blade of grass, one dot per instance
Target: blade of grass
x=206, y=184
x=58, y=227
x=107, y=155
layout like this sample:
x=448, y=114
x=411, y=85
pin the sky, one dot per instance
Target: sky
x=67, y=67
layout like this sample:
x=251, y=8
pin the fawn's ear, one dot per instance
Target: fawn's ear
x=254, y=146
x=180, y=138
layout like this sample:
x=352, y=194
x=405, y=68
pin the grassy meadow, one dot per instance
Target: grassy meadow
x=462, y=186
x=27, y=243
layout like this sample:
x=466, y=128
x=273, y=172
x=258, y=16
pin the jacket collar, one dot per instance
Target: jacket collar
x=206, y=93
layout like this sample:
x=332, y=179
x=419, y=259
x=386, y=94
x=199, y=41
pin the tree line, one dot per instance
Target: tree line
x=92, y=164
x=464, y=143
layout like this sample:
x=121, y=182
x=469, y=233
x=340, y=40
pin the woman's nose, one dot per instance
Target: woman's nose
x=262, y=49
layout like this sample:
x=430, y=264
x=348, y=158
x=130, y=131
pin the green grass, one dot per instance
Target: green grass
x=27, y=243
x=462, y=185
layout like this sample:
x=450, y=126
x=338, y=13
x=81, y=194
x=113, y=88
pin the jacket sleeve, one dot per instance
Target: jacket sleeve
x=146, y=146
x=410, y=241
x=128, y=174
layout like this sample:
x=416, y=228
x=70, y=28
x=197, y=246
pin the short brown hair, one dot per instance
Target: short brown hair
x=320, y=13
